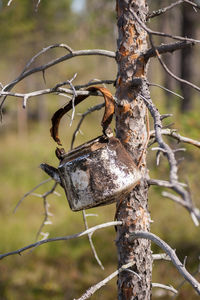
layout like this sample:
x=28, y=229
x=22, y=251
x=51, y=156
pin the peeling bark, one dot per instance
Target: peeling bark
x=131, y=130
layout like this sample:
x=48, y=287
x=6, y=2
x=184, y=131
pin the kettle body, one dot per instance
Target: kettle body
x=96, y=173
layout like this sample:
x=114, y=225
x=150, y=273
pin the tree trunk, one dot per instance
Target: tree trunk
x=186, y=65
x=131, y=130
x=167, y=23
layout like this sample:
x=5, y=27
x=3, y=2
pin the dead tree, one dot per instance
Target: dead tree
x=132, y=103
x=188, y=24
x=131, y=118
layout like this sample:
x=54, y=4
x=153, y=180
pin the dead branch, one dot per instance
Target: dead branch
x=37, y=5
x=194, y=212
x=163, y=183
x=90, y=110
x=30, y=192
x=63, y=238
x=160, y=256
x=173, y=75
x=170, y=252
x=164, y=88
x=54, y=62
x=184, y=281
x=9, y=2
x=126, y=267
x=73, y=97
x=151, y=32
x=154, y=49
x=57, y=90
x=158, y=33
x=97, y=286
x=173, y=133
x=165, y=287
x=47, y=213
x=44, y=50
x=169, y=153
x=166, y=48
x=94, y=82
x=91, y=241
x=165, y=9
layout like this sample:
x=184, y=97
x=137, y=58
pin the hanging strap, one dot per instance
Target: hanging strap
x=107, y=117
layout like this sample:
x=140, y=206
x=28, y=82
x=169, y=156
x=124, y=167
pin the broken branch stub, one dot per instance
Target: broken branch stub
x=98, y=172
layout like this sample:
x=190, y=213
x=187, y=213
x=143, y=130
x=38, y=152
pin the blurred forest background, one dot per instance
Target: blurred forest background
x=64, y=270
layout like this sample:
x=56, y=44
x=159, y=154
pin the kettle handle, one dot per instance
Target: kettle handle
x=107, y=117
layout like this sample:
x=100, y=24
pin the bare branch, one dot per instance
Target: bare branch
x=173, y=75
x=57, y=90
x=169, y=153
x=166, y=48
x=164, y=116
x=163, y=183
x=62, y=238
x=37, y=5
x=54, y=62
x=94, y=82
x=159, y=182
x=152, y=32
x=165, y=287
x=73, y=98
x=165, y=9
x=30, y=192
x=9, y=2
x=173, y=133
x=184, y=281
x=44, y=50
x=92, y=109
x=91, y=241
x=160, y=256
x=194, y=212
x=170, y=252
x=164, y=88
x=47, y=213
x=97, y=286
x=159, y=149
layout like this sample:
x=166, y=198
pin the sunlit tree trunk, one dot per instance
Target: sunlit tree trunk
x=132, y=131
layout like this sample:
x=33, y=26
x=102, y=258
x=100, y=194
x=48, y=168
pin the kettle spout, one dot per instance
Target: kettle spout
x=51, y=171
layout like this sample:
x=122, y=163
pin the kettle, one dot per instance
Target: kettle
x=100, y=171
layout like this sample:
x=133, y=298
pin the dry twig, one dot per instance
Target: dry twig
x=30, y=192
x=54, y=62
x=167, y=90
x=62, y=238
x=91, y=241
x=47, y=213
x=170, y=252
x=97, y=286
x=165, y=287
x=169, y=153
x=165, y=9
x=173, y=133
x=90, y=110
x=158, y=33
